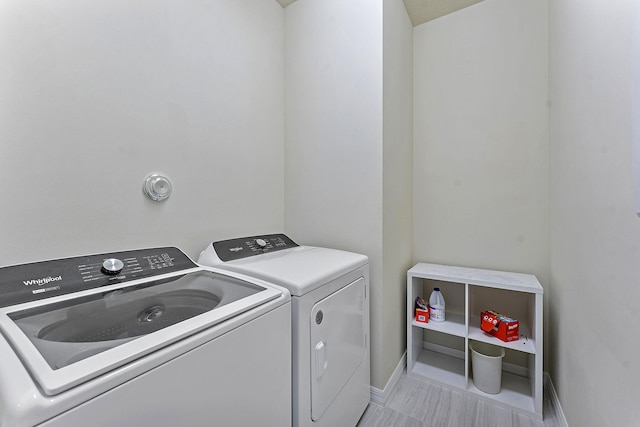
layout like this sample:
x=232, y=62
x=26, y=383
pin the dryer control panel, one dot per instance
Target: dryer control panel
x=244, y=247
x=39, y=280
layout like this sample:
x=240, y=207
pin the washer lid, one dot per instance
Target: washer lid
x=68, y=339
x=300, y=269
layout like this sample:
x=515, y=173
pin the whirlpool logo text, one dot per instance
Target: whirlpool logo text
x=43, y=281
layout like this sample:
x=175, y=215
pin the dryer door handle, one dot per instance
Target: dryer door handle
x=321, y=359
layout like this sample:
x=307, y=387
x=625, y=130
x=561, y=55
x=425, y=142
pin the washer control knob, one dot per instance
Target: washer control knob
x=261, y=242
x=112, y=266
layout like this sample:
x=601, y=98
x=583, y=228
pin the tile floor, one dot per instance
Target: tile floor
x=420, y=403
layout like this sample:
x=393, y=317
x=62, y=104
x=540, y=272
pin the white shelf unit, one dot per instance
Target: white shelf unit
x=440, y=351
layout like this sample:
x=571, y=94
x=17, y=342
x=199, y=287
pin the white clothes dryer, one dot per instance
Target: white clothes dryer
x=330, y=321
x=143, y=337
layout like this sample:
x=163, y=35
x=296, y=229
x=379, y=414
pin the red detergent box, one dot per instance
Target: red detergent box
x=499, y=325
x=422, y=315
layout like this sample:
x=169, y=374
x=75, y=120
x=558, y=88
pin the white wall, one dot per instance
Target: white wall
x=481, y=138
x=595, y=233
x=333, y=57
x=96, y=95
x=333, y=98
x=397, y=180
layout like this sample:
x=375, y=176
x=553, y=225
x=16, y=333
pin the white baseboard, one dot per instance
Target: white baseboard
x=380, y=396
x=553, y=396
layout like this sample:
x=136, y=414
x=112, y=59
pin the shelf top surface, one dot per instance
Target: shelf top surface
x=475, y=276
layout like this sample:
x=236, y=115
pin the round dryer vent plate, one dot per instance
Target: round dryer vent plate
x=157, y=187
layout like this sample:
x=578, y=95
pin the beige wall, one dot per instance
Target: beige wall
x=96, y=95
x=348, y=147
x=333, y=136
x=397, y=174
x=481, y=138
x=595, y=232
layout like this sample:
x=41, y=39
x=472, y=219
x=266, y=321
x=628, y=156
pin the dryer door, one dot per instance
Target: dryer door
x=338, y=343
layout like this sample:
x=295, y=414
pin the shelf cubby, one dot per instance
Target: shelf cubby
x=440, y=351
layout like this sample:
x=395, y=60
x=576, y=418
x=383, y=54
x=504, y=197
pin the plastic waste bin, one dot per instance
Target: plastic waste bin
x=486, y=365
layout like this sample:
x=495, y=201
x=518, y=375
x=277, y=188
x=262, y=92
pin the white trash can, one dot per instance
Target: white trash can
x=486, y=365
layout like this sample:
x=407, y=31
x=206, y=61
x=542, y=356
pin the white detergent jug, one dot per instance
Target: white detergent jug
x=436, y=306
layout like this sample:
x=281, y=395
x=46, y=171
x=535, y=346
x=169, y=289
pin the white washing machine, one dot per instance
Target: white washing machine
x=143, y=337
x=330, y=323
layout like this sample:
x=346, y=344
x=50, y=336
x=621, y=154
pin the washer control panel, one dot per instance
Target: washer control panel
x=39, y=280
x=244, y=247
